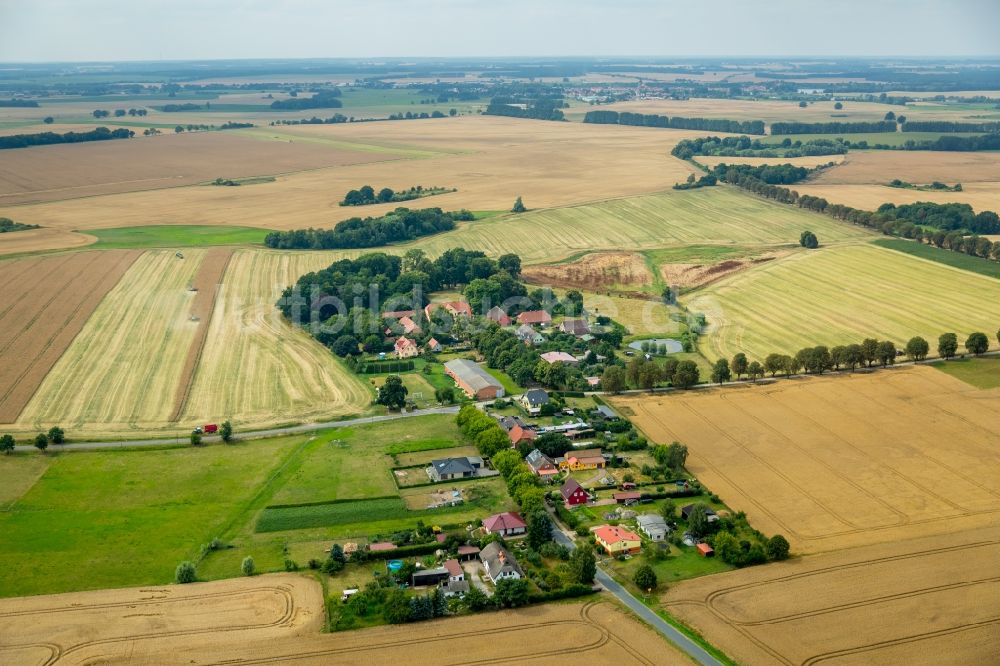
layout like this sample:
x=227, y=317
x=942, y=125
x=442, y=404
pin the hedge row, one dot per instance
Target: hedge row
x=571, y=591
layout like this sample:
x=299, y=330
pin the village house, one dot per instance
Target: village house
x=505, y=524
x=541, y=465
x=474, y=381
x=710, y=515
x=454, y=308
x=617, y=540
x=433, y=345
x=520, y=434
x=405, y=347
x=445, y=469
x=456, y=585
x=559, y=357
x=535, y=318
x=653, y=526
x=586, y=459
x=499, y=563
x=528, y=335
x=533, y=399
x=627, y=498
x=573, y=493
x=577, y=327
x=593, y=382
x=496, y=314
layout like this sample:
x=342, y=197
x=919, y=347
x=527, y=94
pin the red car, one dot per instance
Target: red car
x=211, y=428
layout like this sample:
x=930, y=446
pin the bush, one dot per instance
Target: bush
x=291, y=565
x=185, y=573
x=314, y=564
x=57, y=435
x=777, y=547
x=248, y=567
x=645, y=578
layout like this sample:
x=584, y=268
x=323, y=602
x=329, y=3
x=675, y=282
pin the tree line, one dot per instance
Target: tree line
x=176, y=108
x=49, y=138
x=8, y=225
x=19, y=103
x=744, y=146
x=949, y=126
x=324, y=99
x=401, y=224
x=603, y=117
x=537, y=108
x=365, y=195
x=832, y=127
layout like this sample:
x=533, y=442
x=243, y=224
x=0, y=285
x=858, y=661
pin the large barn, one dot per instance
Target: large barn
x=473, y=379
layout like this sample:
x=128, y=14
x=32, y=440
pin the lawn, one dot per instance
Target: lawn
x=683, y=562
x=946, y=257
x=422, y=456
x=983, y=372
x=121, y=518
x=509, y=385
x=842, y=295
x=176, y=236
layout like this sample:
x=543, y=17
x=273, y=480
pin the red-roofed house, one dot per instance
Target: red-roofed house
x=535, y=318
x=455, y=308
x=434, y=345
x=573, y=493
x=518, y=434
x=454, y=570
x=409, y=326
x=505, y=524
x=405, y=347
x=496, y=314
x=617, y=540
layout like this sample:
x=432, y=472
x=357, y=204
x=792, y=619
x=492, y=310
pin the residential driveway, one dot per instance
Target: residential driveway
x=473, y=573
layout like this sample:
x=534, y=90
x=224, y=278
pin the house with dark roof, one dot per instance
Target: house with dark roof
x=505, y=524
x=499, y=563
x=445, y=469
x=533, y=399
x=710, y=515
x=577, y=327
x=573, y=493
x=422, y=577
x=541, y=465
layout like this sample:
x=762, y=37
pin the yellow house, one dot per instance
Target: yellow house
x=617, y=540
x=588, y=459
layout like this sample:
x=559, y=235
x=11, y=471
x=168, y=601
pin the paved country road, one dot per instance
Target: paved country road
x=256, y=434
x=674, y=636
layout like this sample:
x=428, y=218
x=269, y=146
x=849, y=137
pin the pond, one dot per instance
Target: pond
x=673, y=346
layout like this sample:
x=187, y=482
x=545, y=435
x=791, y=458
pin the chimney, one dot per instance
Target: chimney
x=502, y=557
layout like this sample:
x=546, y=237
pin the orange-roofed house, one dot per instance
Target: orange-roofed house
x=518, y=434
x=617, y=540
x=455, y=308
x=405, y=347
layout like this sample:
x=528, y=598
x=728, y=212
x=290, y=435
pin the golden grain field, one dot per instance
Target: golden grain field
x=255, y=369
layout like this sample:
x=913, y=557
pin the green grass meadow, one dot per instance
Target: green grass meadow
x=176, y=236
x=983, y=372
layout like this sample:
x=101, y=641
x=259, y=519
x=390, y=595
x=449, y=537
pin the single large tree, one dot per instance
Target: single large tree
x=583, y=565
x=539, y=529
x=226, y=431
x=645, y=578
x=977, y=344
x=869, y=351
x=808, y=240
x=57, y=435
x=686, y=375
x=392, y=393
x=886, y=353
x=774, y=363
x=739, y=364
x=947, y=345
x=7, y=444
x=613, y=379
x=511, y=593
x=518, y=206
x=917, y=349
x=720, y=371
x=41, y=441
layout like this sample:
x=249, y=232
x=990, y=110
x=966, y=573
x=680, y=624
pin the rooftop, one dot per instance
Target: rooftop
x=472, y=374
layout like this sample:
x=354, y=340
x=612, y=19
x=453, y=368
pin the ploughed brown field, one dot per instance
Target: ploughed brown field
x=490, y=160
x=49, y=299
x=888, y=486
x=598, y=270
x=66, y=171
x=278, y=619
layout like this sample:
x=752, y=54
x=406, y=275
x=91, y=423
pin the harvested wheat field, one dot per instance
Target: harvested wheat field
x=49, y=301
x=841, y=295
x=254, y=368
x=150, y=625
x=490, y=161
x=67, y=171
x=842, y=461
x=616, y=271
x=926, y=601
x=32, y=240
x=122, y=370
x=919, y=167
x=552, y=634
x=980, y=195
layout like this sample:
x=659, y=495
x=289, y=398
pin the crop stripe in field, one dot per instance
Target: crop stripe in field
x=210, y=274
x=22, y=388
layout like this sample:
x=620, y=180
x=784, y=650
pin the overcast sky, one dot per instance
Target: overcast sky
x=74, y=30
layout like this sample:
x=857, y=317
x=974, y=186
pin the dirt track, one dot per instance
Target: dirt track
x=50, y=299
x=278, y=619
x=207, y=281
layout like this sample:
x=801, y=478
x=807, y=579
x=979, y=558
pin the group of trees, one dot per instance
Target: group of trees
x=8, y=225
x=744, y=146
x=187, y=106
x=55, y=435
x=366, y=195
x=808, y=240
x=771, y=174
x=643, y=374
x=708, y=180
x=121, y=113
x=401, y=224
x=538, y=108
x=322, y=99
x=946, y=217
x=832, y=127
x=675, y=122
x=412, y=115
x=48, y=138
x=24, y=103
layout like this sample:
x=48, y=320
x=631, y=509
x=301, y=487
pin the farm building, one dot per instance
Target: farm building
x=541, y=464
x=626, y=498
x=617, y=540
x=499, y=563
x=496, y=314
x=653, y=526
x=505, y=524
x=445, y=469
x=405, y=347
x=559, y=357
x=424, y=577
x=533, y=399
x=466, y=553
x=575, y=327
x=535, y=318
x=573, y=493
x=474, y=381
x=454, y=308
x=586, y=459
x=608, y=413
x=709, y=514
x=528, y=335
